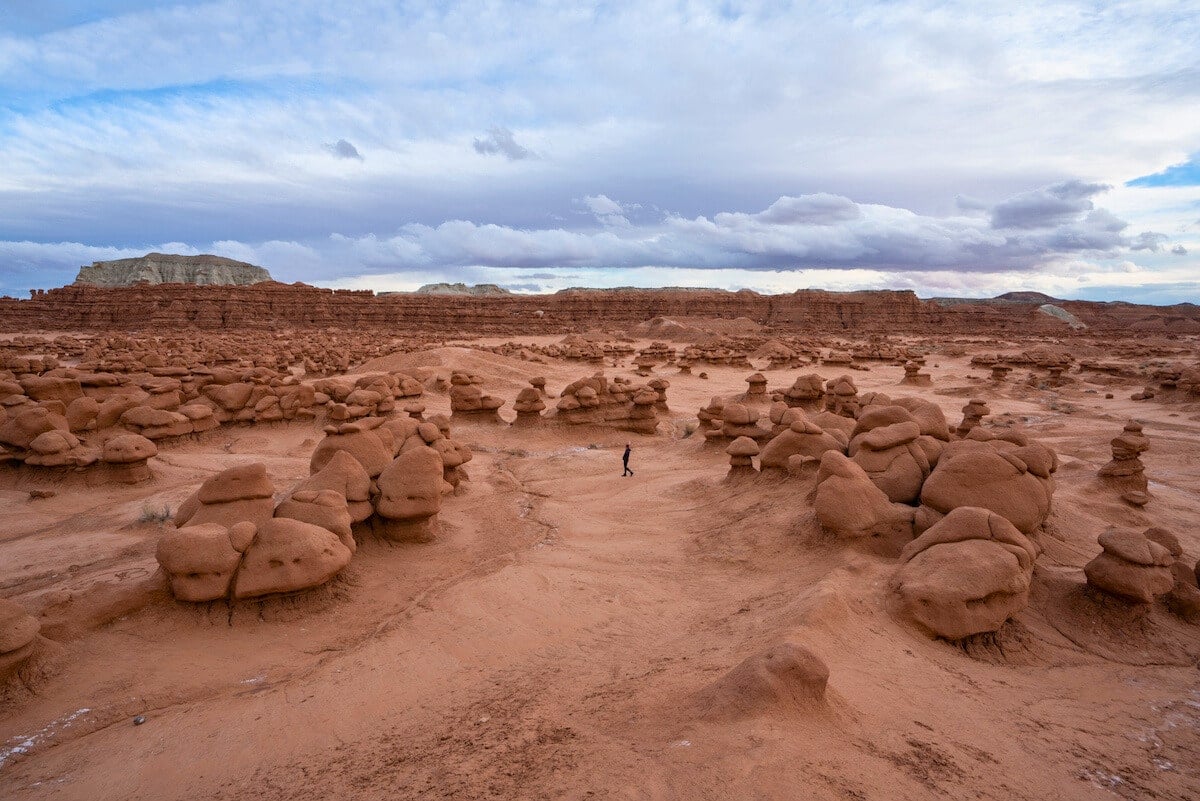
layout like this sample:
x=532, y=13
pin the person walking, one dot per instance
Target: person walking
x=625, y=461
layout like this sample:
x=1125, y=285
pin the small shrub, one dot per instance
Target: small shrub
x=155, y=514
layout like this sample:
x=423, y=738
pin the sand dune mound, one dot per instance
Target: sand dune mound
x=784, y=679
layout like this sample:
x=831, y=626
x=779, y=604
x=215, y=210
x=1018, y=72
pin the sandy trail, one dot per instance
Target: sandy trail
x=552, y=645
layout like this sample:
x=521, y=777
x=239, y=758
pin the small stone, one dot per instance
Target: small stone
x=139, y=720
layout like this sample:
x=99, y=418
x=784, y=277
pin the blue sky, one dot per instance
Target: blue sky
x=950, y=148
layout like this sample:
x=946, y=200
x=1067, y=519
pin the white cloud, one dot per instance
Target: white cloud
x=851, y=128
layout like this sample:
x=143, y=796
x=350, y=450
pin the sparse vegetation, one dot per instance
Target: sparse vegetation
x=155, y=514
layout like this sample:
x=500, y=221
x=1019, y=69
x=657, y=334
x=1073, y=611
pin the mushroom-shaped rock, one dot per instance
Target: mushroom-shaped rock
x=1126, y=472
x=914, y=377
x=850, y=506
x=785, y=678
x=806, y=391
x=739, y=420
x=346, y=476
x=802, y=437
x=239, y=494
x=660, y=387
x=1131, y=566
x=973, y=414
x=965, y=575
x=757, y=385
x=466, y=397
x=58, y=449
x=528, y=406
x=201, y=560
x=289, y=555
x=741, y=456
x=991, y=475
x=410, y=496
x=127, y=454
x=641, y=415
x=324, y=508
x=841, y=396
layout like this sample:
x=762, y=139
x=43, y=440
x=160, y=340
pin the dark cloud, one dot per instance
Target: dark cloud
x=344, y=150
x=1179, y=250
x=500, y=141
x=1046, y=207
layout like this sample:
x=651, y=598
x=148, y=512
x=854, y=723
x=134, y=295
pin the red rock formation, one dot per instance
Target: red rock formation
x=271, y=305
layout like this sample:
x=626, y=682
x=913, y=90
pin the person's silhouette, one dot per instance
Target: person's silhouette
x=625, y=461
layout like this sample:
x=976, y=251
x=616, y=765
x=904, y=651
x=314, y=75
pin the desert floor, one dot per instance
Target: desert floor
x=556, y=641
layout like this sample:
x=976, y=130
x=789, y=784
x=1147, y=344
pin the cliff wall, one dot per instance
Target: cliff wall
x=272, y=305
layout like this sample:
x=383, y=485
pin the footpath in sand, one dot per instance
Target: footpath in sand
x=562, y=638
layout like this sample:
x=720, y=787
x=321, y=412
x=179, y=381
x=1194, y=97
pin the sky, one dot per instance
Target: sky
x=952, y=148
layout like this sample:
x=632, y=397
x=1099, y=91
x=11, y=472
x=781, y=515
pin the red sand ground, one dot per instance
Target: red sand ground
x=554, y=642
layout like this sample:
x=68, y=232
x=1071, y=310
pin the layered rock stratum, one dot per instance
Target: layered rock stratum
x=166, y=268
x=270, y=305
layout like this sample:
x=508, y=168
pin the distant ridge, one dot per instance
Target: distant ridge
x=169, y=268
x=1028, y=297
x=478, y=290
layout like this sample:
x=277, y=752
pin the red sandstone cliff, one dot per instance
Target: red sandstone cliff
x=273, y=305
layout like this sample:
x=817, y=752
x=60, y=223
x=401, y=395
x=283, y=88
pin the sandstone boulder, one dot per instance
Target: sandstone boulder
x=289, y=555
x=128, y=455
x=991, y=475
x=410, y=496
x=965, y=575
x=200, y=560
x=344, y=475
x=324, y=508
x=850, y=506
x=236, y=495
x=364, y=440
x=802, y=437
x=1131, y=566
